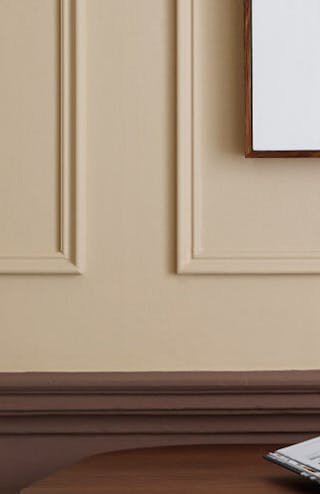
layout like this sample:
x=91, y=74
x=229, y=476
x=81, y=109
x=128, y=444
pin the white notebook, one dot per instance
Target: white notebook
x=302, y=458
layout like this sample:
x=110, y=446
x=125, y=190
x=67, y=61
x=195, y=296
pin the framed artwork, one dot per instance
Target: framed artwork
x=282, y=78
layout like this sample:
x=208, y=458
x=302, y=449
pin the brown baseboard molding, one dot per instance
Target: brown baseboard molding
x=224, y=404
x=48, y=420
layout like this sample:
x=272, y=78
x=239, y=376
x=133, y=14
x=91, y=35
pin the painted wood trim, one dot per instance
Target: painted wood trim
x=190, y=258
x=49, y=420
x=223, y=405
x=69, y=259
x=184, y=133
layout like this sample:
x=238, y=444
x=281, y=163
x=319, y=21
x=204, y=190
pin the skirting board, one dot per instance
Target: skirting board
x=50, y=419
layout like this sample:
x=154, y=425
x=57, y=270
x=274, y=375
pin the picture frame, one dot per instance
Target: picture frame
x=282, y=77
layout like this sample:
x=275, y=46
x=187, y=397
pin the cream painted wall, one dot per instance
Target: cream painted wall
x=130, y=311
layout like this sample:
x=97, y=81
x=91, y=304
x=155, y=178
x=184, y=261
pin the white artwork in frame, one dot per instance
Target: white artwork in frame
x=283, y=78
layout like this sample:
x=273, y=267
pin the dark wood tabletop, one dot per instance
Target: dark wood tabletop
x=176, y=470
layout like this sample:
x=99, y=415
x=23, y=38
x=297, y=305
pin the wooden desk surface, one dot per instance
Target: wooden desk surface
x=176, y=470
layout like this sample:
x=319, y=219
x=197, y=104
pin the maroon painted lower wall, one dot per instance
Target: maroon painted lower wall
x=48, y=420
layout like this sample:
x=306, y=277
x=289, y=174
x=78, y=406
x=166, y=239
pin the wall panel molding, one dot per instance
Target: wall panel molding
x=190, y=257
x=69, y=257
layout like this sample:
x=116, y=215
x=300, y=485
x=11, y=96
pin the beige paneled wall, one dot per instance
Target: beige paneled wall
x=28, y=118
x=130, y=311
x=42, y=128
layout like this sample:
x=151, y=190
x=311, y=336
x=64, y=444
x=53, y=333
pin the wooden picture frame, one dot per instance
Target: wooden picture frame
x=250, y=150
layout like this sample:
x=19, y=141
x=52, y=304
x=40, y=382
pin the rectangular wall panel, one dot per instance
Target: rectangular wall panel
x=234, y=215
x=42, y=136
